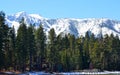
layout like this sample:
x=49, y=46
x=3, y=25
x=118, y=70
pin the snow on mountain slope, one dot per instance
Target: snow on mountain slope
x=73, y=26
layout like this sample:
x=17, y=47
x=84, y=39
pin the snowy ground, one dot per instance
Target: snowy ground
x=74, y=73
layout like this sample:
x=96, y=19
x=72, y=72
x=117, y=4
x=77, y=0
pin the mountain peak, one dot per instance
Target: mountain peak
x=73, y=26
x=36, y=16
x=22, y=13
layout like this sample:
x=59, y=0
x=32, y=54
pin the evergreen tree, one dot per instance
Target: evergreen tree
x=11, y=52
x=3, y=40
x=65, y=42
x=95, y=56
x=2, y=23
x=58, y=47
x=40, y=44
x=21, y=44
x=72, y=51
x=65, y=53
x=72, y=44
x=31, y=45
x=79, y=45
x=114, y=53
x=52, y=49
x=86, y=57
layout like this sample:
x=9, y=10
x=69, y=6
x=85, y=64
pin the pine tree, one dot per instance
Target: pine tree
x=65, y=42
x=72, y=43
x=21, y=44
x=91, y=46
x=79, y=45
x=3, y=40
x=31, y=46
x=58, y=47
x=2, y=20
x=86, y=57
x=52, y=49
x=72, y=51
x=95, y=55
x=65, y=53
x=114, y=53
x=40, y=44
x=11, y=52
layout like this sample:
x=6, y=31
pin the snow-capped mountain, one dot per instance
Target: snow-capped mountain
x=73, y=26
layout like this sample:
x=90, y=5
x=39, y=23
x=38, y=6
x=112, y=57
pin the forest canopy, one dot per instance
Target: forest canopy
x=29, y=49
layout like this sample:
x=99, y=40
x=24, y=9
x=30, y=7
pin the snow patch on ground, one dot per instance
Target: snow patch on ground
x=73, y=73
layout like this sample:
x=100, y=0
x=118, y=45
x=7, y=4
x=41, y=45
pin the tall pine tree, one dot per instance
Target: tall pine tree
x=52, y=49
x=11, y=51
x=31, y=46
x=2, y=24
x=40, y=38
x=3, y=40
x=21, y=44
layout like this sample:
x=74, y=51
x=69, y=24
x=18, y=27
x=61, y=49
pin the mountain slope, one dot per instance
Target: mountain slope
x=73, y=26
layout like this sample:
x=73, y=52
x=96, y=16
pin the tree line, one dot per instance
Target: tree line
x=29, y=47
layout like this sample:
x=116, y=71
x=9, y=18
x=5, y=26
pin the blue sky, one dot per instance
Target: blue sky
x=64, y=8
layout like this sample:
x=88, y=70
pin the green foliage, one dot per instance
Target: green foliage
x=52, y=48
x=30, y=46
x=3, y=40
x=40, y=39
x=11, y=45
x=21, y=45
